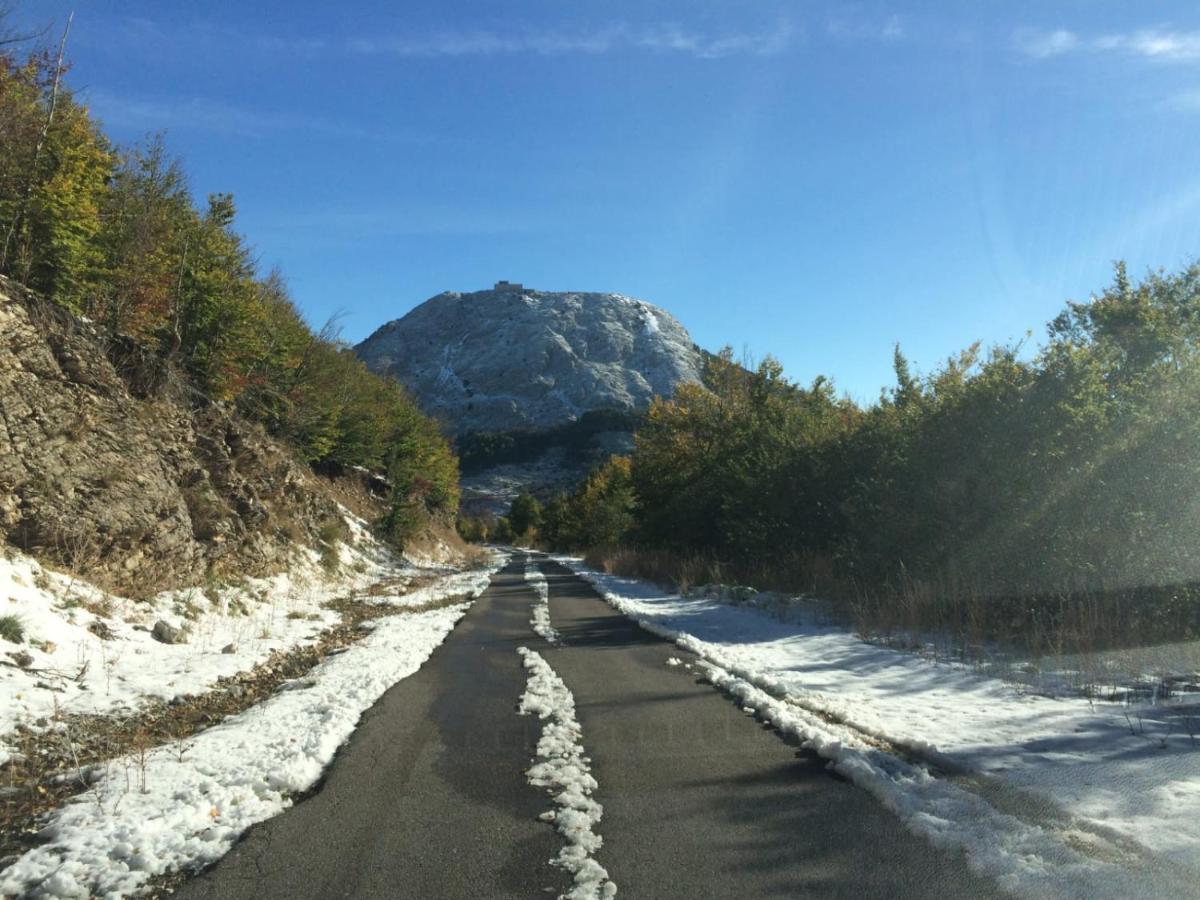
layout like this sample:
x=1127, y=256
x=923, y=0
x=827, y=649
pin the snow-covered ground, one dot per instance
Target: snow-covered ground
x=93, y=652
x=541, y=604
x=1050, y=796
x=564, y=770
x=186, y=805
x=82, y=650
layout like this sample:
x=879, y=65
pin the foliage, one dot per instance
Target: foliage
x=1075, y=469
x=525, y=513
x=502, y=532
x=480, y=450
x=599, y=513
x=473, y=529
x=114, y=234
x=12, y=629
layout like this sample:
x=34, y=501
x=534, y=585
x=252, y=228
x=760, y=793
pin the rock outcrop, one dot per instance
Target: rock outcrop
x=520, y=358
x=111, y=467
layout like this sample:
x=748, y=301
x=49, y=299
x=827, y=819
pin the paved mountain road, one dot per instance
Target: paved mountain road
x=428, y=799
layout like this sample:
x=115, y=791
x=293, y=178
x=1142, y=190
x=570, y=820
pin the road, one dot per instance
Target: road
x=428, y=799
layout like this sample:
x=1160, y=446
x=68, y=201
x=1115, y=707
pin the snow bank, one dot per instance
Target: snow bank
x=1048, y=796
x=541, y=604
x=185, y=806
x=93, y=652
x=564, y=770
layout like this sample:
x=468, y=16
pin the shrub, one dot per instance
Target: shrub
x=12, y=629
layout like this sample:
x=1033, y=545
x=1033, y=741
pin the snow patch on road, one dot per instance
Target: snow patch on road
x=1048, y=796
x=564, y=770
x=541, y=605
x=184, y=806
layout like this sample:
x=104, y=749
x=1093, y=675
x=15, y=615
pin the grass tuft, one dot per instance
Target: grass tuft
x=12, y=629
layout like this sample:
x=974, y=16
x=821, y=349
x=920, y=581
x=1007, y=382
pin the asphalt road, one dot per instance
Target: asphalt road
x=429, y=800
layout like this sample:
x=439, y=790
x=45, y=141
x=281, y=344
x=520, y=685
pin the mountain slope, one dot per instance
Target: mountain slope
x=520, y=358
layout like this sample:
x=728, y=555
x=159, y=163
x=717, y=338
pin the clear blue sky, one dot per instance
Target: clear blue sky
x=815, y=181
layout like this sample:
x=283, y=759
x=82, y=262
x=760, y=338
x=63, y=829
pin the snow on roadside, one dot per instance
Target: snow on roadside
x=185, y=806
x=564, y=770
x=541, y=605
x=88, y=651
x=1093, y=807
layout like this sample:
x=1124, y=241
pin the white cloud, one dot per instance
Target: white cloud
x=1170, y=46
x=1158, y=44
x=611, y=38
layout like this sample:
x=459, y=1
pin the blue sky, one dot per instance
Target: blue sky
x=814, y=181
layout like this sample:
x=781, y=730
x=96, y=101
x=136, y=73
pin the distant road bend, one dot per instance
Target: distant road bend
x=429, y=798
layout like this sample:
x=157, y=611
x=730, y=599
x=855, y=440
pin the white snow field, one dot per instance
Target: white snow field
x=541, y=604
x=562, y=768
x=1049, y=796
x=184, y=806
x=93, y=652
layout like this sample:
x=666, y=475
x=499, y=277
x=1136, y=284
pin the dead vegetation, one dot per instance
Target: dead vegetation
x=952, y=617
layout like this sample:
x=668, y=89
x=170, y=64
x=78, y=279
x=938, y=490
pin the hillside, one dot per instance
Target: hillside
x=109, y=467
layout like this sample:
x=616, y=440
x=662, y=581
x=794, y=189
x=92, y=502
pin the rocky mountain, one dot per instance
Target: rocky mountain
x=538, y=386
x=514, y=357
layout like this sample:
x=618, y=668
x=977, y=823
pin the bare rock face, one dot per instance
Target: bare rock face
x=111, y=471
x=520, y=358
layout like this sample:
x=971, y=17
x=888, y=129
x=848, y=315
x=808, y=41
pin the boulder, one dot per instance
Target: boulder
x=166, y=633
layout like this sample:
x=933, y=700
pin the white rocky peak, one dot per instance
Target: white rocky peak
x=513, y=356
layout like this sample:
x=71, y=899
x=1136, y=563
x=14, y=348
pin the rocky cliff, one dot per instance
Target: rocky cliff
x=520, y=358
x=111, y=467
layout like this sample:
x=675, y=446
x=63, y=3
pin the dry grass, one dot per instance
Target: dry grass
x=961, y=619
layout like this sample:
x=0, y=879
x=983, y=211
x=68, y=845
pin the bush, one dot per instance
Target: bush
x=12, y=629
x=472, y=529
x=329, y=535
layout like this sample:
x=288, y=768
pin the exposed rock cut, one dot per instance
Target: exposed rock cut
x=111, y=467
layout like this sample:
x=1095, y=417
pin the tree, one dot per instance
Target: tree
x=525, y=514
x=117, y=236
x=560, y=526
x=54, y=168
x=502, y=532
x=605, y=504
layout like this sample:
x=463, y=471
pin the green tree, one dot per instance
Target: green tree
x=605, y=504
x=525, y=514
x=502, y=532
